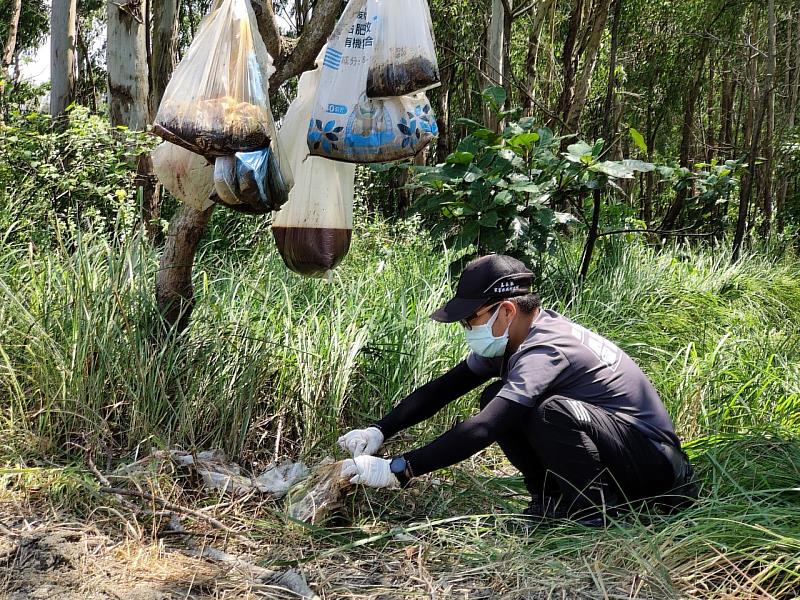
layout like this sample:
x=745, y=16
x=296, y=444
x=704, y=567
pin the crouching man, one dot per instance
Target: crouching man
x=570, y=410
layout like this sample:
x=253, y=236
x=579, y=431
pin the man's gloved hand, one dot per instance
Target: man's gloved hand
x=369, y=470
x=361, y=441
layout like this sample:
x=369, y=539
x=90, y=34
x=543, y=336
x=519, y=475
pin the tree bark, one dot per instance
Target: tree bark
x=568, y=61
x=443, y=114
x=726, y=110
x=769, y=151
x=174, y=290
x=495, y=45
x=293, y=56
x=793, y=75
x=689, y=103
x=165, y=37
x=62, y=55
x=748, y=183
x=591, y=237
x=538, y=13
x=11, y=40
x=608, y=125
x=127, y=64
x=590, y=51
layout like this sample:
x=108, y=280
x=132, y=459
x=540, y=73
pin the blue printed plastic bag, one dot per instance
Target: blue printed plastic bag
x=348, y=126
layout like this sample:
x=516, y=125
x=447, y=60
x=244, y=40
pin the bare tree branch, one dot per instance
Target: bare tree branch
x=268, y=27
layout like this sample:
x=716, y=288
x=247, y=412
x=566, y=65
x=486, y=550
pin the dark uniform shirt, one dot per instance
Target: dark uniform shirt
x=558, y=357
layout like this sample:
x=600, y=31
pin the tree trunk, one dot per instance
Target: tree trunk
x=165, y=38
x=793, y=73
x=711, y=149
x=293, y=56
x=62, y=55
x=568, y=62
x=174, y=290
x=539, y=12
x=726, y=110
x=495, y=44
x=608, y=125
x=11, y=40
x=595, y=27
x=443, y=114
x=127, y=64
x=748, y=183
x=591, y=238
x=689, y=102
x=769, y=151
x=749, y=117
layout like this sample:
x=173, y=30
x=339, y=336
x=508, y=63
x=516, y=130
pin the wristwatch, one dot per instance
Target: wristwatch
x=401, y=469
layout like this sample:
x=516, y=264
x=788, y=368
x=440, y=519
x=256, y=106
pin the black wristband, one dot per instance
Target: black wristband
x=401, y=469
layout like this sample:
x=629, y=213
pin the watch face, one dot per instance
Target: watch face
x=398, y=465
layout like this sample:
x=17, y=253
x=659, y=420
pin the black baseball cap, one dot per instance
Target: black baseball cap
x=491, y=277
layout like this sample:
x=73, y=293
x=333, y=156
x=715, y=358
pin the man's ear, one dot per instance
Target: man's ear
x=511, y=309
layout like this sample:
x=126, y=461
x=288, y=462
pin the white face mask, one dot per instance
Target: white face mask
x=483, y=342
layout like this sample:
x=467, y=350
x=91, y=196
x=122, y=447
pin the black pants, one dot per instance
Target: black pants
x=593, y=458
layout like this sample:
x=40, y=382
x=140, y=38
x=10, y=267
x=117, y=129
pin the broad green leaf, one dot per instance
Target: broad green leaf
x=612, y=169
x=488, y=219
x=524, y=140
x=504, y=197
x=638, y=139
x=579, y=149
x=495, y=95
x=638, y=165
x=525, y=186
x=460, y=158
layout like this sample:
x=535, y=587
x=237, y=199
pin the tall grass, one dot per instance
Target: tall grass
x=276, y=362
x=275, y=365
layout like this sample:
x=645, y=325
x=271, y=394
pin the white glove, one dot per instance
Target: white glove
x=370, y=470
x=361, y=441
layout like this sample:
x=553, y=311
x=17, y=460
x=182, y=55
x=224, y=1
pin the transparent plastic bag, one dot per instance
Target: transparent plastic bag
x=186, y=175
x=217, y=102
x=347, y=126
x=313, y=230
x=249, y=182
x=404, y=57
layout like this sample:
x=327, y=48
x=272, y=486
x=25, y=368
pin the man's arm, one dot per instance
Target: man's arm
x=467, y=438
x=426, y=401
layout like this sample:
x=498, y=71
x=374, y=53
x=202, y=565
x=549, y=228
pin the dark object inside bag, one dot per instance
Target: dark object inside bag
x=312, y=251
x=400, y=79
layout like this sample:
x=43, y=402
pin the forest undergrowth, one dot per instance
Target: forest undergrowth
x=275, y=367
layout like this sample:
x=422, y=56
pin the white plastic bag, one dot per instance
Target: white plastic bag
x=217, y=101
x=404, y=57
x=313, y=230
x=347, y=126
x=186, y=175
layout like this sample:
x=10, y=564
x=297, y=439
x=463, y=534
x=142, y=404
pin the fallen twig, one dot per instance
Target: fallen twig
x=177, y=508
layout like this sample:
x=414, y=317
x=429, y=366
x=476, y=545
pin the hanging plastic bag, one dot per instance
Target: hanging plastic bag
x=404, y=57
x=314, y=229
x=217, y=101
x=186, y=175
x=249, y=182
x=260, y=180
x=347, y=126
